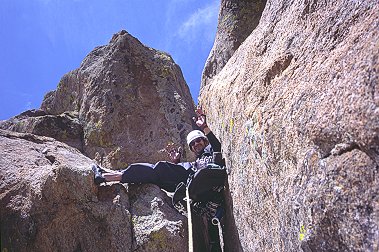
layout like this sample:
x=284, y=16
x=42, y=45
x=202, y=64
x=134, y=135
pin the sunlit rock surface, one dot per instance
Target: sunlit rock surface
x=297, y=111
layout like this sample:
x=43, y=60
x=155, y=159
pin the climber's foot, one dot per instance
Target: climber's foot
x=98, y=178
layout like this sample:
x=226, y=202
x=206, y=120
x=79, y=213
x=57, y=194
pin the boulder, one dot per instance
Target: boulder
x=297, y=111
x=157, y=225
x=64, y=127
x=49, y=203
x=132, y=101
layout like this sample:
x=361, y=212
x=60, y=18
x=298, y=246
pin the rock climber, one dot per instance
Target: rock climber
x=168, y=175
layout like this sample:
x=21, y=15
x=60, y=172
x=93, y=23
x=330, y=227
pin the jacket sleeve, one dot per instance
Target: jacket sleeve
x=215, y=143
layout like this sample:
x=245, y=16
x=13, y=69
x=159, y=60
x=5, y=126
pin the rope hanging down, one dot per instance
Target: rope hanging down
x=216, y=222
x=190, y=236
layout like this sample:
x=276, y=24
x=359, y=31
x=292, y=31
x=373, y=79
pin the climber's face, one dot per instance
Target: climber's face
x=198, y=145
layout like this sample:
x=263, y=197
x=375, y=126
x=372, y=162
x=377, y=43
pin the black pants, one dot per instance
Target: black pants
x=163, y=174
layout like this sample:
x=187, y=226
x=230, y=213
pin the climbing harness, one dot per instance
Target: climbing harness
x=203, y=193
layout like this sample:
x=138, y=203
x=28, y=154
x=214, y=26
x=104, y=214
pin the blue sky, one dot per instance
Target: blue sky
x=41, y=40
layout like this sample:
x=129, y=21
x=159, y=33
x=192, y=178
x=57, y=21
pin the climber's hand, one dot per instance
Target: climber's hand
x=201, y=119
x=174, y=153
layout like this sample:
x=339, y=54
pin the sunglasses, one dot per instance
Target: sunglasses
x=197, y=140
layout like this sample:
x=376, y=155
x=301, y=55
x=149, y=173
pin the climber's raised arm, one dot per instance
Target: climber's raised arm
x=201, y=122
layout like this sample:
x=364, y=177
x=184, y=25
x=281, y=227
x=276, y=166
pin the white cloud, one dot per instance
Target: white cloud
x=201, y=24
x=28, y=105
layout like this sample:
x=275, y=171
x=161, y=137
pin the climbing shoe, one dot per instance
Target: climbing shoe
x=98, y=178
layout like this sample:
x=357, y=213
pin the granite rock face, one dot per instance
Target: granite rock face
x=297, y=111
x=49, y=203
x=237, y=19
x=131, y=100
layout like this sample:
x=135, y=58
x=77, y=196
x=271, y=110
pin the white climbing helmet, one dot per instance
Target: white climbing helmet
x=194, y=135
